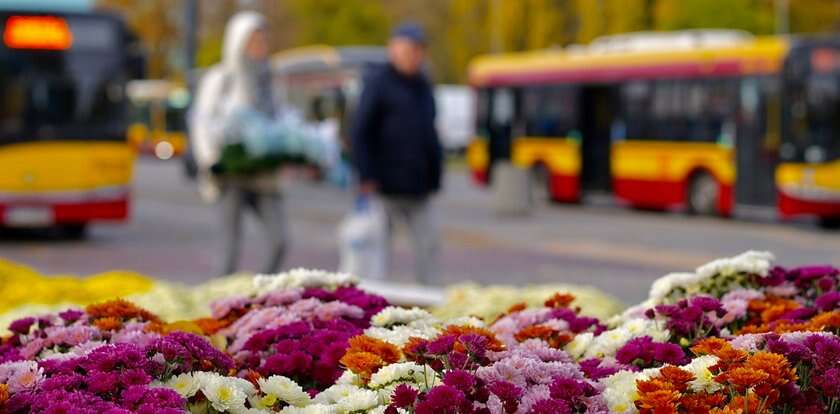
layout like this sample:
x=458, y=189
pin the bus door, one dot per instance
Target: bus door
x=598, y=113
x=501, y=125
x=756, y=142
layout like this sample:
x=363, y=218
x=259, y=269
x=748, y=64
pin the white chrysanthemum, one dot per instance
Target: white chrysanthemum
x=311, y=409
x=640, y=327
x=285, y=389
x=224, y=395
x=335, y=393
x=303, y=278
x=577, y=348
x=400, y=334
x=360, y=400
x=620, y=392
x=608, y=342
x=184, y=384
x=403, y=372
x=661, y=287
x=753, y=262
x=349, y=378
x=467, y=321
x=704, y=379
x=394, y=315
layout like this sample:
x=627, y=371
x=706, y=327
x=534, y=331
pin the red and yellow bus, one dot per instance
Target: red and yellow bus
x=699, y=120
x=64, y=156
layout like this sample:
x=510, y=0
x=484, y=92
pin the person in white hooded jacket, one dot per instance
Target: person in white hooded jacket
x=240, y=82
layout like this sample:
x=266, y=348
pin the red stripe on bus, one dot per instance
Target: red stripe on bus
x=792, y=206
x=565, y=187
x=661, y=195
x=78, y=212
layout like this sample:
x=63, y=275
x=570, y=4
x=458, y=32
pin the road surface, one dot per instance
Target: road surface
x=172, y=235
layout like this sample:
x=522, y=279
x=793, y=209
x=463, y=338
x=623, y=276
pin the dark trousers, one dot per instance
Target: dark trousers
x=269, y=210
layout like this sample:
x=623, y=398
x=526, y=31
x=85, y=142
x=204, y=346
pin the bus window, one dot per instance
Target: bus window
x=482, y=112
x=637, y=98
x=503, y=107
x=65, y=94
x=550, y=111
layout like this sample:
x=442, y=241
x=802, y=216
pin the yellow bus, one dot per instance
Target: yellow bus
x=158, y=117
x=64, y=158
x=702, y=120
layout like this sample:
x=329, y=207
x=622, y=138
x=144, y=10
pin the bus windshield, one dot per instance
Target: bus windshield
x=813, y=95
x=62, y=77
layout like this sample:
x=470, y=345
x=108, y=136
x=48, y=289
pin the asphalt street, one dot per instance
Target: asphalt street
x=173, y=235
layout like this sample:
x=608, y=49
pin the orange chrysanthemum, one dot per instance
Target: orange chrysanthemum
x=726, y=410
x=363, y=364
x=413, y=348
x=178, y=326
x=701, y=403
x=653, y=385
x=109, y=323
x=821, y=322
x=709, y=346
x=4, y=393
x=770, y=308
x=385, y=351
x=517, y=307
x=742, y=378
x=121, y=309
x=677, y=377
x=825, y=321
x=210, y=326
x=560, y=300
x=493, y=343
x=659, y=401
x=775, y=365
x=253, y=377
x=727, y=355
x=554, y=338
x=746, y=404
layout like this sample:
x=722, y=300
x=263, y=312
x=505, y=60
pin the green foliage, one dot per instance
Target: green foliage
x=340, y=22
x=755, y=16
x=461, y=29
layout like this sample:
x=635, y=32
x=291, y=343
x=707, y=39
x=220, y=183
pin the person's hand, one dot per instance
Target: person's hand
x=367, y=188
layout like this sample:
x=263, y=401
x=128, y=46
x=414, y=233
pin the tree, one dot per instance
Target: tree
x=814, y=16
x=754, y=16
x=340, y=22
x=156, y=23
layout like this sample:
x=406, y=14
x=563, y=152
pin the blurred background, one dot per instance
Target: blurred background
x=588, y=141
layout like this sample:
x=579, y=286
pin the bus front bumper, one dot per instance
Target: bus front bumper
x=47, y=209
x=809, y=202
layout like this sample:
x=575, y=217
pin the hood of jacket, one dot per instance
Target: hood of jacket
x=237, y=32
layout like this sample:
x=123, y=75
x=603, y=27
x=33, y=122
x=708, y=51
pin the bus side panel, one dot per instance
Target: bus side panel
x=77, y=181
x=657, y=174
x=560, y=156
x=478, y=160
x=809, y=189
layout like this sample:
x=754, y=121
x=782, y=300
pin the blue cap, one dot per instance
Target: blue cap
x=410, y=31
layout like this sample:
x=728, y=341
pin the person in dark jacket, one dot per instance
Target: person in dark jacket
x=395, y=145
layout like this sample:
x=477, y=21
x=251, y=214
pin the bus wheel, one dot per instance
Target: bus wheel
x=540, y=184
x=703, y=195
x=830, y=223
x=74, y=231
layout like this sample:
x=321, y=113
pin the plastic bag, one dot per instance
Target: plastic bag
x=362, y=238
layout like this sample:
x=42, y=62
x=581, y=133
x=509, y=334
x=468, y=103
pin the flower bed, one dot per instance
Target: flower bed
x=737, y=335
x=28, y=292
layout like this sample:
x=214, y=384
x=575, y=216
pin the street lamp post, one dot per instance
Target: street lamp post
x=782, y=16
x=190, y=41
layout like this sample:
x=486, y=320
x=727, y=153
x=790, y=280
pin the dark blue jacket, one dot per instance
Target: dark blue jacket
x=394, y=140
